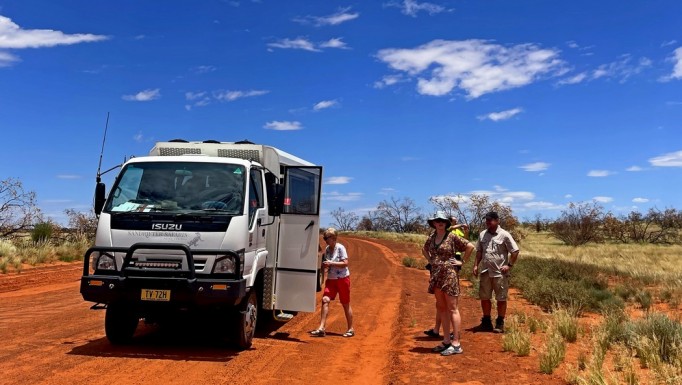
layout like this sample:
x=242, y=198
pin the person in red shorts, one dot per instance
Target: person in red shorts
x=338, y=282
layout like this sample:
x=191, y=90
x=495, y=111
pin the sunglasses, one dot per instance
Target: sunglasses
x=327, y=237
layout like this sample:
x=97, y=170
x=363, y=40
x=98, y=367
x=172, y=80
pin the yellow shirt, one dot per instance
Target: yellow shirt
x=459, y=233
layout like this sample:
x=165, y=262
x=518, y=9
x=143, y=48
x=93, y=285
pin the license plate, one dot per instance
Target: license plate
x=155, y=295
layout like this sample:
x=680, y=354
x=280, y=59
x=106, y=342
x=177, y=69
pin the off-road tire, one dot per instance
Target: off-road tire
x=247, y=317
x=120, y=323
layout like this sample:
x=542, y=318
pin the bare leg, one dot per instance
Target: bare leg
x=455, y=318
x=486, y=306
x=437, y=327
x=445, y=318
x=501, y=308
x=349, y=315
x=324, y=312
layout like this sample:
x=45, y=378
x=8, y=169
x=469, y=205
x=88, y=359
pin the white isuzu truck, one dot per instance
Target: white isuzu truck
x=221, y=229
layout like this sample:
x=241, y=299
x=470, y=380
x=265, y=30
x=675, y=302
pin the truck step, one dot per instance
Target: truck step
x=282, y=316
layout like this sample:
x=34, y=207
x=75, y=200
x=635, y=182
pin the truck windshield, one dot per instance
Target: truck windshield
x=180, y=187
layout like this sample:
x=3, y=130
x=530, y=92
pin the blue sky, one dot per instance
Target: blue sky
x=537, y=103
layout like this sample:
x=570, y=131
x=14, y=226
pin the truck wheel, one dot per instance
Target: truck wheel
x=247, y=318
x=120, y=323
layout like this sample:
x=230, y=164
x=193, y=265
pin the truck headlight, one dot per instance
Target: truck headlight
x=227, y=264
x=224, y=265
x=106, y=262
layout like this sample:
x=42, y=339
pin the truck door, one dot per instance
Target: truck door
x=296, y=266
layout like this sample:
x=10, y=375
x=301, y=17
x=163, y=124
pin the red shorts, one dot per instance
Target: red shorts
x=341, y=286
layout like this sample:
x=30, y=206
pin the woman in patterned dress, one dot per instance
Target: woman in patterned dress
x=440, y=249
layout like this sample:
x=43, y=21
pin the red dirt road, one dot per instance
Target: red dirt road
x=48, y=335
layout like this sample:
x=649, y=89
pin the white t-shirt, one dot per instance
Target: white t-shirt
x=337, y=255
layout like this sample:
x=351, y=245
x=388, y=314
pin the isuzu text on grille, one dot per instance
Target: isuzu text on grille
x=166, y=226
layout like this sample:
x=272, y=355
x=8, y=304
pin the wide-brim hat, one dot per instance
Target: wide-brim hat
x=439, y=216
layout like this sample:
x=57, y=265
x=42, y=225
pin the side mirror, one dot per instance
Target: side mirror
x=100, y=198
x=274, y=191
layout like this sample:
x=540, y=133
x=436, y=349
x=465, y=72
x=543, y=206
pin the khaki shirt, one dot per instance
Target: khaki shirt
x=495, y=249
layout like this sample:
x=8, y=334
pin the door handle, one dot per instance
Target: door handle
x=309, y=225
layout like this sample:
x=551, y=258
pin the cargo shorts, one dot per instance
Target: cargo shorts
x=488, y=285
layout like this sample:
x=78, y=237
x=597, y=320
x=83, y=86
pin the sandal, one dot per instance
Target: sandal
x=432, y=333
x=441, y=347
x=317, y=333
x=349, y=333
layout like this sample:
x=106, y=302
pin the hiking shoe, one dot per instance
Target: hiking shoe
x=452, y=350
x=485, y=326
x=441, y=348
x=499, y=326
x=432, y=333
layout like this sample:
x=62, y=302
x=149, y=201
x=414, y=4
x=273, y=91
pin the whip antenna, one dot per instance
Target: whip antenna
x=99, y=167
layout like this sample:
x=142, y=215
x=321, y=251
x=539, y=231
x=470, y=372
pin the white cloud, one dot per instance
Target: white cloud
x=677, y=68
x=298, y=43
x=143, y=96
x=477, y=67
x=341, y=197
x=621, y=69
x=336, y=42
x=230, y=96
x=204, y=69
x=574, y=79
x=568, y=196
x=542, y=205
x=634, y=169
x=338, y=180
x=325, y=104
x=413, y=7
x=341, y=16
x=602, y=199
x=534, y=167
x=669, y=42
x=194, y=95
x=640, y=200
x=307, y=45
x=502, y=115
x=671, y=159
x=140, y=138
x=7, y=59
x=389, y=80
x=14, y=37
x=599, y=173
x=69, y=176
x=283, y=125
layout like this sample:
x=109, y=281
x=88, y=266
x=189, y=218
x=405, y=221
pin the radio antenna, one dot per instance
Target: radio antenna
x=99, y=167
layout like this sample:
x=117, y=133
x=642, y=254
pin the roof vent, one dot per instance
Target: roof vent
x=178, y=141
x=211, y=141
x=245, y=141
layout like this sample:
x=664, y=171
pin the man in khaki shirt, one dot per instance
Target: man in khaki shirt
x=496, y=253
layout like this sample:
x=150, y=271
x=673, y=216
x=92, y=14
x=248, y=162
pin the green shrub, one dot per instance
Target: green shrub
x=644, y=299
x=418, y=263
x=515, y=339
x=566, y=324
x=625, y=291
x=42, y=232
x=7, y=249
x=4, y=262
x=657, y=337
x=553, y=353
x=551, y=282
x=535, y=324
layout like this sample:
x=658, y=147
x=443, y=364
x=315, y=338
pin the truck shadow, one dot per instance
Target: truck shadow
x=173, y=343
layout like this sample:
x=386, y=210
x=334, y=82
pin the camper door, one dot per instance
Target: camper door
x=296, y=267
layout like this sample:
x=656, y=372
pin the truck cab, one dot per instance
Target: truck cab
x=219, y=228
